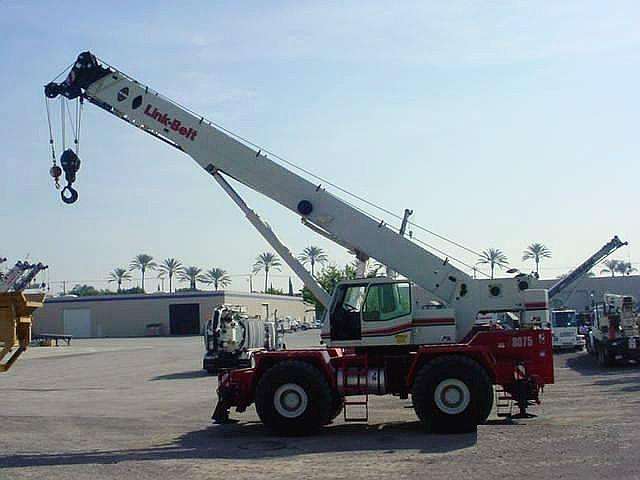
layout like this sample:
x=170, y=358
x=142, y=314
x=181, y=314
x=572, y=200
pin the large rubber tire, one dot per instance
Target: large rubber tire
x=466, y=380
x=305, y=384
x=336, y=407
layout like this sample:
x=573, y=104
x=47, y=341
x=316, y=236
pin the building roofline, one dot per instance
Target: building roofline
x=174, y=296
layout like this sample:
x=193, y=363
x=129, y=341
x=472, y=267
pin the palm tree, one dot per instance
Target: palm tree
x=118, y=275
x=536, y=251
x=266, y=261
x=494, y=258
x=191, y=275
x=312, y=255
x=142, y=262
x=171, y=267
x=217, y=277
x=625, y=268
x=161, y=276
x=612, y=267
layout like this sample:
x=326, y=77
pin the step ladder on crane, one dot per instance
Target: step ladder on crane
x=356, y=394
x=504, y=403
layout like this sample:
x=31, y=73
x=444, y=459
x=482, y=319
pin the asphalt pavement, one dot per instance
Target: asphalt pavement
x=141, y=408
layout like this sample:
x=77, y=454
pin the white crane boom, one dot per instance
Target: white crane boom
x=216, y=150
x=607, y=249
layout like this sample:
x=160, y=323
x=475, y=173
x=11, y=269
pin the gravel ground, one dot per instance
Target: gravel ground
x=140, y=408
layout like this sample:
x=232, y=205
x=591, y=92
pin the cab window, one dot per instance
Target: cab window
x=353, y=298
x=387, y=301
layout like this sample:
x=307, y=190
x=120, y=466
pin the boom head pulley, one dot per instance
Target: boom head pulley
x=85, y=70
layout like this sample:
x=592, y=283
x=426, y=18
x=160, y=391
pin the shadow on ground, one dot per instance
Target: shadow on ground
x=586, y=364
x=252, y=441
x=182, y=375
x=626, y=384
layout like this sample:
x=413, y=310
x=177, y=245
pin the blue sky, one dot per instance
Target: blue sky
x=498, y=123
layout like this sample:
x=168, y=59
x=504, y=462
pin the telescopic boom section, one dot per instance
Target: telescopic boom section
x=214, y=149
x=607, y=249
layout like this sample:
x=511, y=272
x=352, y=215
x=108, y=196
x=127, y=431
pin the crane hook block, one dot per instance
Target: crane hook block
x=70, y=163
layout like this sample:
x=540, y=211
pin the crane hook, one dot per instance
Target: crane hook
x=69, y=194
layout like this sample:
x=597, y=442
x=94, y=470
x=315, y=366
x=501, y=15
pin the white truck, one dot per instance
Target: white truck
x=413, y=336
x=615, y=335
x=565, y=330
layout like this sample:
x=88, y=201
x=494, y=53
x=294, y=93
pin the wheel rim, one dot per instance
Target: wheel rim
x=452, y=396
x=290, y=400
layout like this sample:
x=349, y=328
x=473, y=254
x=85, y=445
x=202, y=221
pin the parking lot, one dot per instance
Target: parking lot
x=140, y=408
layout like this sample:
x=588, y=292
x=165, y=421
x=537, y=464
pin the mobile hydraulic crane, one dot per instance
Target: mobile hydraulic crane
x=411, y=336
x=563, y=320
x=615, y=335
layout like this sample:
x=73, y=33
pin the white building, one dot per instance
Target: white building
x=183, y=313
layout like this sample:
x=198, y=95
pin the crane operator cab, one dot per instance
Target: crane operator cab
x=378, y=311
x=383, y=312
x=362, y=308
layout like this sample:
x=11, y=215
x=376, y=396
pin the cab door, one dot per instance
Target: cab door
x=386, y=314
x=346, y=312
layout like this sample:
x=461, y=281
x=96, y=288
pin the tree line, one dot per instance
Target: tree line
x=495, y=258
x=173, y=269
x=538, y=252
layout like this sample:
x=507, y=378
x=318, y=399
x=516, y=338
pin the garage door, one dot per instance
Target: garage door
x=77, y=322
x=184, y=319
